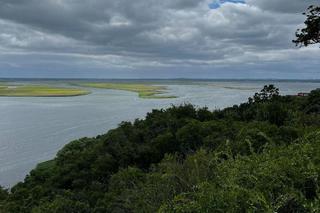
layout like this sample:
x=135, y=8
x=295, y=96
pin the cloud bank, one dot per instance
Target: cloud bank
x=173, y=38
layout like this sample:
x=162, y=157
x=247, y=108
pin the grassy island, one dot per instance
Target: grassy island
x=39, y=91
x=144, y=90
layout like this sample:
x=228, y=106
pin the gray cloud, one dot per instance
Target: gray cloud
x=283, y=6
x=147, y=34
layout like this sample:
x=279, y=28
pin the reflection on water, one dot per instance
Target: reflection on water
x=32, y=130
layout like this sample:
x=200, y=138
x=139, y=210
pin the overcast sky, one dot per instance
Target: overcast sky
x=155, y=39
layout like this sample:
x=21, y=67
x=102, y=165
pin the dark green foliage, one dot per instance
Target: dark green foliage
x=259, y=156
x=62, y=204
x=3, y=197
x=283, y=179
x=313, y=103
x=268, y=92
x=311, y=33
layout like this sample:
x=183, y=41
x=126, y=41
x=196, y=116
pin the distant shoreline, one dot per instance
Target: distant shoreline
x=158, y=80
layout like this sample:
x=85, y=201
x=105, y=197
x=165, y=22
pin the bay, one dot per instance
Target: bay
x=33, y=129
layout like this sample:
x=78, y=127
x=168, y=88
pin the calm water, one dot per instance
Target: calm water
x=32, y=130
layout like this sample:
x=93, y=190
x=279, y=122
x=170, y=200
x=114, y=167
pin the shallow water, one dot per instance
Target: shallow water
x=32, y=130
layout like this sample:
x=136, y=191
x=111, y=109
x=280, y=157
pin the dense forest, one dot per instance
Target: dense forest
x=259, y=156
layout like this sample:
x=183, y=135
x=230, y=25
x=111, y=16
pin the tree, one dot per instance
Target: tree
x=313, y=103
x=311, y=33
x=268, y=92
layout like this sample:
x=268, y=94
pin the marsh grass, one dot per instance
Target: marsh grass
x=143, y=90
x=39, y=91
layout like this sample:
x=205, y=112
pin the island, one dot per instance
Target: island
x=143, y=90
x=8, y=90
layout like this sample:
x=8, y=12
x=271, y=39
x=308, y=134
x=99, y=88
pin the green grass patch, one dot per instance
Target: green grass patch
x=144, y=90
x=39, y=91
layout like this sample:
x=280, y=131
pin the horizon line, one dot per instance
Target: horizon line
x=146, y=79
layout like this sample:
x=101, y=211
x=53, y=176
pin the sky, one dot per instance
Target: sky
x=155, y=39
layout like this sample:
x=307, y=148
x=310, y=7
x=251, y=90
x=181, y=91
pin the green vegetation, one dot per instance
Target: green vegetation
x=39, y=91
x=144, y=90
x=311, y=33
x=259, y=156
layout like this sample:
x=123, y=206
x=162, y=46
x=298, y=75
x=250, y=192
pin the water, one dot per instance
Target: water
x=32, y=130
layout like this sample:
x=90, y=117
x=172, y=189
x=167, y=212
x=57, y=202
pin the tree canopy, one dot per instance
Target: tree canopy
x=311, y=33
x=259, y=156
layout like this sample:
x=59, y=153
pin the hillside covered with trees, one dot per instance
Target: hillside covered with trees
x=259, y=156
